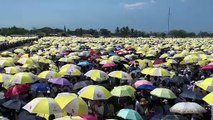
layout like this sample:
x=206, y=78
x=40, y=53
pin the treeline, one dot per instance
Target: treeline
x=119, y=32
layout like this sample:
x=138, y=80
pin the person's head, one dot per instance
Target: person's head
x=143, y=102
x=51, y=117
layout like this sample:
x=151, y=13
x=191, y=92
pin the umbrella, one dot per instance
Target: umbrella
x=88, y=117
x=6, y=63
x=129, y=114
x=23, y=78
x=122, y=91
x=146, y=87
x=4, y=77
x=106, y=62
x=187, y=108
x=192, y=95
x=26, y=61
x=49, y=75
x=120, y=75
x=71, y=71
x=156, y=72
x=14, y=104
x=40, y=87
x=17, y=90
x=12, y=70
x=208, y=98
x=208, y=67
x=115, y=58
x=108, y=65
x=18, y=50
x=97, y=75
x=43, y=105
x=3, y=118
x=207, y=84
x=66, y=59
x=70, y=118
x=80, y=85
x=71, y=103
x=95, y=92
x=83, y=63
x=174, y=117
x=163, y=93
x=189, y=59
x=68, y=66
x=142, y=82
x=60, y=81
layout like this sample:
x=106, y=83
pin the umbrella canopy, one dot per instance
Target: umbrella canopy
x=68, y=66
x=122, y=91
x=12, y=70
x=17, y=90
x=192, y=95
x=189, y=59
x=208, y=98
x=4, y=77
x=84, y=63
x=71, y=103
x=156, y=72
x=120, y=75
x=23, y=78
x=49, y=75
x=43, y=105
x=187, y=108
x=40, y=87
x=80, y=85
x=129, y=114
x=14, y=104
x=142, y=82
x=88, y=117
x=207, y=84
x=174, y=117
x=106, y=62
x=18, y=50
x=66, y=59
x=95, y=92
x=26, y=61
x=60, y=81
x=208, y=67
x=70, y=71
x=6, y=63
x=163, y=93
x=97, y=75
x=108, y=65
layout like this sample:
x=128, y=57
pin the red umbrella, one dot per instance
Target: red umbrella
x=17, y=90
x=159, y=61
x=108, y=65
x=208, y=67
x=88, y=117
x=142, y=82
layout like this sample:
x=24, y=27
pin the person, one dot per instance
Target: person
x=142, y=107
x=51, y=117
x=98, y=109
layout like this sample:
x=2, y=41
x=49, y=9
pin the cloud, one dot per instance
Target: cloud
x=137, y=5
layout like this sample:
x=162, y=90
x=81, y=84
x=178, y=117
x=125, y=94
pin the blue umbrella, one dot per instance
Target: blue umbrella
x=192, y=95
x=83, y=63
x=40, y=87
x=146, y=87
x=14, y=104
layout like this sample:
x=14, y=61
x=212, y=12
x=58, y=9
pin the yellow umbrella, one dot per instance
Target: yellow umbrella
x=120, y=75
x=49, y=75
x=12, y=70
x=156, y=72
x=94, y=92
x=208, y=98
x=4, y=77
x=43, y=105
x=26, y=61
x=6, y=63
x=97, y=75
x=71, y=103
x=207, y=84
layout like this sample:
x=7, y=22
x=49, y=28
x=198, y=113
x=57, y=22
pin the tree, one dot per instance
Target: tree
x=104, y=32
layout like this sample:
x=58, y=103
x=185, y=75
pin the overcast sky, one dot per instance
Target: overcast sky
x=147, y=15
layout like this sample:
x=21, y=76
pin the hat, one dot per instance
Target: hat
x=143, y=101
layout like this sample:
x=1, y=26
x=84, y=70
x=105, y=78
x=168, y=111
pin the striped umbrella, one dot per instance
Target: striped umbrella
x=49, y=75
x=26, y=61
x=4, y=77
x=6, y=63
x=71, y=103
x=94, y=92
x=12, y=70
x=43, y=105
x=208, y=98
x=207, y=84
x=156, y=72
x=23, y=78
x=120, y=75
x=71, y=71
x=97, y=75
x=66, y=59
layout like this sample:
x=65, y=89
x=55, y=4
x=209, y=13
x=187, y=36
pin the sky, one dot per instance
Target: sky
x=146, y=15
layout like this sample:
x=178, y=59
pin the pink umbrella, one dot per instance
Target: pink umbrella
x=142, y=82
x=88, y=117
x=208, y=67
x=108, y=65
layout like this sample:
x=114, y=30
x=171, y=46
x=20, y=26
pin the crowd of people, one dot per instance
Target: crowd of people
x=174, y=65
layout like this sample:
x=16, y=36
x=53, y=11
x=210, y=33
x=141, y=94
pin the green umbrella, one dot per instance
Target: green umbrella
x=122, y=91
x=129, y=114
x=163, y=93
